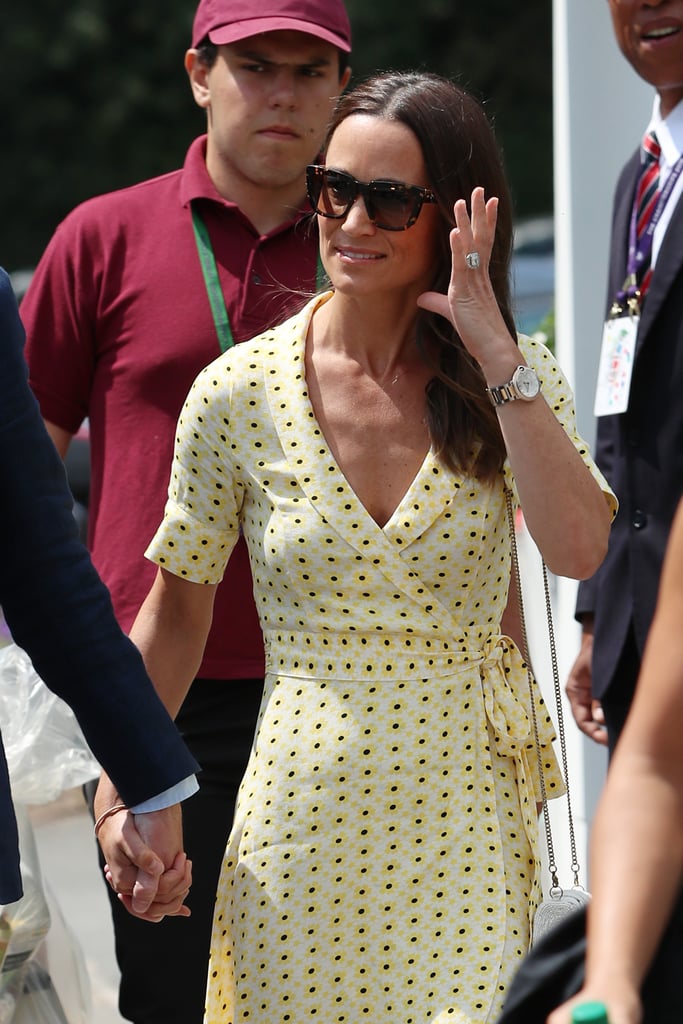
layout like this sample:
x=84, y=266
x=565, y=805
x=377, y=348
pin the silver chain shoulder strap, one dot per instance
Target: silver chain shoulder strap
x=555, y=888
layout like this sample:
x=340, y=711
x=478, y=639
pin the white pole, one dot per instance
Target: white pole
x=600, y=110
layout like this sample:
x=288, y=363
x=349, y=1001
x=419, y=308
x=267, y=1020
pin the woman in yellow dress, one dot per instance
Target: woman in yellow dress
x=382, y=864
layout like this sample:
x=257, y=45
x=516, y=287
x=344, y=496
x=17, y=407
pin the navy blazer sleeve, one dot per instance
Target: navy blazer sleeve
x=59, y=611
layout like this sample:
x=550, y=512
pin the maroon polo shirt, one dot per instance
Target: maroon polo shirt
x=118, y=325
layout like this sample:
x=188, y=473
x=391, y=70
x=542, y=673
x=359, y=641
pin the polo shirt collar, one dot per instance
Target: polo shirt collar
x=195, y=182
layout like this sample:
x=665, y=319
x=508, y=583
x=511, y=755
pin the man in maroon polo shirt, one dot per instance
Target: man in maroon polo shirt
x=136, y=292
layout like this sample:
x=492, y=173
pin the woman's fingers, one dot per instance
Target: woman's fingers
x=474, y=233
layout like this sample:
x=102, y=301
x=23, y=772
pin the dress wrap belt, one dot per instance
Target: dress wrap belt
x=373, y=656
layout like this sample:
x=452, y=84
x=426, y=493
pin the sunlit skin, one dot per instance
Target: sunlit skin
x=366, y=379
x=268, y=100
x=650, y=36
x=360, y=258
x=363, y=369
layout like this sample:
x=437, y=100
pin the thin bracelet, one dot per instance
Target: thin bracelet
x=107, y=814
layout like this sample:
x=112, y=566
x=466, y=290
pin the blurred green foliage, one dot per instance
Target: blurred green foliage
x=546, y=330
x=95, y=96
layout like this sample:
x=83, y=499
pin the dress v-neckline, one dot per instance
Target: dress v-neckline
x=319, y=472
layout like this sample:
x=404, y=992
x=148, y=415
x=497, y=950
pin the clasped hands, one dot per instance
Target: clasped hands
x=145, y=862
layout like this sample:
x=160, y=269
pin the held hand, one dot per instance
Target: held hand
x=162, y=831
x=587, y=712
x=146, y=864
x=169, y=900
x=470, y=304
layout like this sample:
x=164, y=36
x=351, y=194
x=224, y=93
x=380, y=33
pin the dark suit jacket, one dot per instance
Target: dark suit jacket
x=640, y=451
x=59, y=611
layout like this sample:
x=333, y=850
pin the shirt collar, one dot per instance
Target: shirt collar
x=196, y=183
x=669, y=133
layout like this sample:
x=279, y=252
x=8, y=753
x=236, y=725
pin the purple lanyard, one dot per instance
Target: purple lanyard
x=639, y=250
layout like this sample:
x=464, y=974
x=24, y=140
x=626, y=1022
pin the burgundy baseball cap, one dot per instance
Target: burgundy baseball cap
x=226, y=21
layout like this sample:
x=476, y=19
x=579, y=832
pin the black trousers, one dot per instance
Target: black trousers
x=164, y=966
x=617, y=701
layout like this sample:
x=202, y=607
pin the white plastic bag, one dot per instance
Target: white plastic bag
x=38, y=1002
x=25, y=924
x=45, y=748
x=46, y=755
x=29, y=994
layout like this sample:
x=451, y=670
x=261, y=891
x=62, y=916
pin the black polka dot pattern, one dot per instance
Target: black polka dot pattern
x=382, y=863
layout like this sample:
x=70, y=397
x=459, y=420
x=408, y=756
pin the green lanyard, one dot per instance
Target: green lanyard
x=213, y=286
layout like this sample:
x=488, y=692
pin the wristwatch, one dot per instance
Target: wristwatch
x=523, y=384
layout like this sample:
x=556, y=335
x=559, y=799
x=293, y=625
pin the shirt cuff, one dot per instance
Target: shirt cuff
x=181, y=791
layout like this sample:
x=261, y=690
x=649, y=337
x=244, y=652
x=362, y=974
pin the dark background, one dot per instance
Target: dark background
x=94, y=95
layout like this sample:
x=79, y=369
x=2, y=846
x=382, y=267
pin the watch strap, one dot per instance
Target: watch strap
x=502, y=393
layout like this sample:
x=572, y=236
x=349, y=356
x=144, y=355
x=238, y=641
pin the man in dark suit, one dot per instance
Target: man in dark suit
x=60, y=612
x=640, y=449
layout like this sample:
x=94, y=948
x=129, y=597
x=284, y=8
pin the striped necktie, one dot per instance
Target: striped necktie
x=647, y=194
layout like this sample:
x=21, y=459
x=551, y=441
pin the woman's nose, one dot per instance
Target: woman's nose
x=357, y=217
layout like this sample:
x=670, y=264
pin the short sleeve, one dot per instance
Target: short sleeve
x=560, y=398
x=201, y=519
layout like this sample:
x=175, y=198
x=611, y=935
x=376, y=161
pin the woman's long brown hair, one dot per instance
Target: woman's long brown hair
x=460, y=152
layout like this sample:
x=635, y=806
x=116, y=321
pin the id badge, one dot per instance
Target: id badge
x=616, y=365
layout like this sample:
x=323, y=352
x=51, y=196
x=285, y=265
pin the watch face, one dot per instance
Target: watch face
x=526, y=382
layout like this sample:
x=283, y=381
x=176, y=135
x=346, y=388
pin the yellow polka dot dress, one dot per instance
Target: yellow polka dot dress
x=382, y=864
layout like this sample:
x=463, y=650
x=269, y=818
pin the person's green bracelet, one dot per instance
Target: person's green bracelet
x=590, y=1013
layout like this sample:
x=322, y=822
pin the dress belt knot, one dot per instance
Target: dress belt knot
x=506, y=708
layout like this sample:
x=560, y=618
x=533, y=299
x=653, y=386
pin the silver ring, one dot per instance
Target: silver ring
x=473, y=260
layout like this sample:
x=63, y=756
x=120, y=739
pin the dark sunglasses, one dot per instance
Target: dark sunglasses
x=391, y=205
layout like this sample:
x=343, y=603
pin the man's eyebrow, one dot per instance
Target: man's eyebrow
x=260, y=58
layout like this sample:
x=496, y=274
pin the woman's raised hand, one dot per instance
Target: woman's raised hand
x=470, y=303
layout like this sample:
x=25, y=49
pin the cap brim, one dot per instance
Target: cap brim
x=256, y=26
